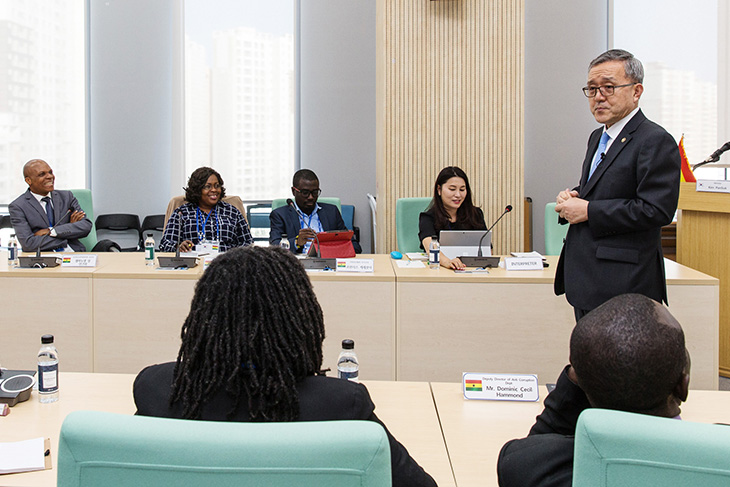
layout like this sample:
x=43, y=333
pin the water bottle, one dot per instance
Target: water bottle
x=434, y=252
x=48, y=370
x=284, y=243
x=347, y=365
x=149, y=250
x=12, y=251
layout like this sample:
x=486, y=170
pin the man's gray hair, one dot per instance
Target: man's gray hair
x=632, y=66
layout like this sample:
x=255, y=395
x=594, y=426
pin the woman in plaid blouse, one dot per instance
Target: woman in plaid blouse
x=205, y=218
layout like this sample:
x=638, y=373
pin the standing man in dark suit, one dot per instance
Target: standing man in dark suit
x=300, y=224
x=45, y=218
x=628, y=190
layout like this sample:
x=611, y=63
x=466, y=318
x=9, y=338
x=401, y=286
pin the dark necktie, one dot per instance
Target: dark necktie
x=49, y=211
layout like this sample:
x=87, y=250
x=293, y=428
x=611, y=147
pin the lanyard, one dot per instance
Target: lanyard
x=201, y=234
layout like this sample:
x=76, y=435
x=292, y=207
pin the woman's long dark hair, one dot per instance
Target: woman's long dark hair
x=467, y=214
x=198, y=179
x=255, y=329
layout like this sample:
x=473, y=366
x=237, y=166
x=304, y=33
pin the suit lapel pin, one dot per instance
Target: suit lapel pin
x=623, y=140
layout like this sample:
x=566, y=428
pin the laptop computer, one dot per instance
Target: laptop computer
x=456, y=243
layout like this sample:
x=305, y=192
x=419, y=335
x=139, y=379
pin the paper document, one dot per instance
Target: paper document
x=22, y=456
x=527, y=254
x=410, y=264
x=417, y=255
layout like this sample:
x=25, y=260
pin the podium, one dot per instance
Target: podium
x=703, y=227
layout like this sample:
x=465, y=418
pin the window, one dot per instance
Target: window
x=217, y=97
x=678, y=44
x=42, y=92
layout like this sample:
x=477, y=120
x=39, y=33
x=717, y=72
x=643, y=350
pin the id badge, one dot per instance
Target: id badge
x=207, y=247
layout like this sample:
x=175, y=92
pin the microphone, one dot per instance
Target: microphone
x=68, y=212
x=507, y=209
x=714, y=157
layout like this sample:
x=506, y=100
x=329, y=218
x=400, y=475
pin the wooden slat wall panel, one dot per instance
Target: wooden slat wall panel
x=450, y=92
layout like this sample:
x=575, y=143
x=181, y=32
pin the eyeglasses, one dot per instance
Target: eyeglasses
x=306, y=193
x=208, y=187
x=590, y=91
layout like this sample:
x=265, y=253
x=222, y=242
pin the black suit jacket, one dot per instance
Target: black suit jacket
x=632, y=194
x=545, y=457
x=28, y=216
x=284, y=220
x=320, y=399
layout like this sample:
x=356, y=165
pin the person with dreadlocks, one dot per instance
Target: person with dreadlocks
x=252, y=351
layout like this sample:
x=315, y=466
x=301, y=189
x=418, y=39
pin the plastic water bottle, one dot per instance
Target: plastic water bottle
x=434, y=252
x=48, y=370
x=12, y=251
x=347, y=364
x=284, y=243
x=149, y=250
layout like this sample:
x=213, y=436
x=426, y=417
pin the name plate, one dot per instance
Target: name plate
x=523, y=263
x=78, y=260
x=711, y=186
x=355, y=265
x=500, y=387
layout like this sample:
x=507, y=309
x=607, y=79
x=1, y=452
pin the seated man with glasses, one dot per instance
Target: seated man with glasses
x=304, y=217
x=628, y=190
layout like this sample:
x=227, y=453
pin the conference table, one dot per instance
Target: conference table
x=456, y=440
x=412, y=324
x=406, y=408
x=475, y=431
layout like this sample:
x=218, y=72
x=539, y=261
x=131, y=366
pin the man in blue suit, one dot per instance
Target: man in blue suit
x=628, y=190
x=44, y=217
x=302, y=220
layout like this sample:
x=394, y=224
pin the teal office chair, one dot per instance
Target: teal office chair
x=554, y=231
x=279, y=202
x=83, y=196
x=614, y=448
x=106, y=449
x=406, y=222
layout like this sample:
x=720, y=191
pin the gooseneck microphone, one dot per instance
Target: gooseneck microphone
x=507, y=209
x=715, y=156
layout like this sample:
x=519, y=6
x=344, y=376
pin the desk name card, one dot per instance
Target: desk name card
x=355, y=265
x=523, y=263
x=500, y=387
x=713, y=186
x=78, y=260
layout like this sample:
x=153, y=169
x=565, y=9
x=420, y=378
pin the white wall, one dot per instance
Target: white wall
x=337, y=101
x=561, y=38
x=130, y=105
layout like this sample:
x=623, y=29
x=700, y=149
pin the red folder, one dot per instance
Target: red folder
x=334, y=244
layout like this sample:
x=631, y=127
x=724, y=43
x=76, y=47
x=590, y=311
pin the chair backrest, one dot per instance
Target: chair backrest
x=154, y=224
x=106, y=449
x=614, y=448
x=373, y=204
x=258, y=221
x=331, y=200
x=554, y=231
x=122, y=228
x=178, y=201
x=83, y=196
x=348, y=215
x=406, y=222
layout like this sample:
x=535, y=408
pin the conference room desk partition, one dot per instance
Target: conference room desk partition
x=475, y=431
x=511, y=322
x=406, y=408
x=408, y=324
x=36, y=302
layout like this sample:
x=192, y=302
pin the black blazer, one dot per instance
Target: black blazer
x=632, y=194
x=320, y=399
x=284, y=220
